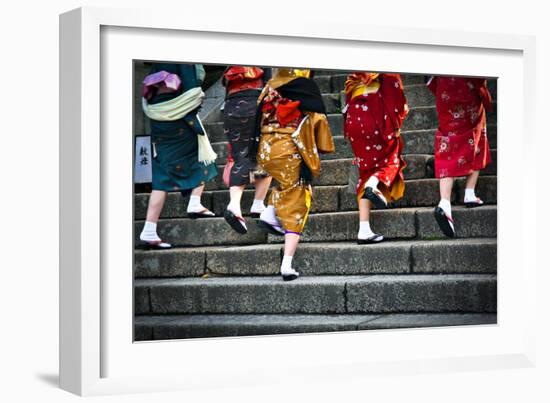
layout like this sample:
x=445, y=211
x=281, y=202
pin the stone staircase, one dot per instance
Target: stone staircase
x=216, y=282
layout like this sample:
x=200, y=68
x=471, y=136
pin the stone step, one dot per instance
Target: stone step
x=399, y=224
x=419, y=118
x=166, y=327
x=415, y=142
x=453, y=256
x=418, y=193
x=331, y=227
x=318, y=294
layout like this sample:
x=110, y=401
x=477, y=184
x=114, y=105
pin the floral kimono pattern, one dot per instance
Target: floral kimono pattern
x=290, y=142
x=374, y=113
x=461, y=144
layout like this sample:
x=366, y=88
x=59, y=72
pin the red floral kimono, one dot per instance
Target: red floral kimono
x=375, y=110
x=461, y=145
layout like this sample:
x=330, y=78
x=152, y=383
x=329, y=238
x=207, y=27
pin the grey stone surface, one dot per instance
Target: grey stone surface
x=193, y=326
x=202, y=232
x=142, y=302
x=324, y=294
x=164, y=263
x=476, y=255
x=247, y=295
x=419, y=95
x=351, y=259
x=420, y=118
x=256, y=260
x=469, y=223
x=465, y=256
x=141, y=125
x=215, y=131
x=166, y=327
x=419, y=320
x=323, y=82
x=422, y=293
x=332, y=103
x=343, y=226
x=417, y=166
x=412, y=79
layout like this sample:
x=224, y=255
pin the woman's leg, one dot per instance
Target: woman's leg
x=156, y=203
x=443, y=214
x=471, y=180
x=195, y=207
x=446, y=188
x=470, y=198
x=235, y=195
x=149, y=231
x=262, y=186
x=291, y=243
x=197, y=191
x=364, y=209
x=365, y=232
x=232, y=214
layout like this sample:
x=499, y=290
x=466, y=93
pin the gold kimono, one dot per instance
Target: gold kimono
x=281, y=152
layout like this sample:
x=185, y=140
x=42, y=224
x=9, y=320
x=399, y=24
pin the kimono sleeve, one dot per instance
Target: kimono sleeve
x=485, y=96
x=323, y=135
x=432, y=84
x=394, y=98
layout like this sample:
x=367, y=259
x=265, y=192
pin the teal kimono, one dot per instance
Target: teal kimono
x=175, y=146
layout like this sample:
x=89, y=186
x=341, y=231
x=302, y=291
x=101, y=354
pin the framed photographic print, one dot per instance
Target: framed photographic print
x=239, y=211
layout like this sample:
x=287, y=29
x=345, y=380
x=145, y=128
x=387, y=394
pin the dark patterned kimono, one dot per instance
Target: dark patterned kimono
x=243, y=86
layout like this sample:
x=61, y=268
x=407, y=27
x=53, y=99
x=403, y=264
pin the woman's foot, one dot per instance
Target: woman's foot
x=289, y=274
x=269, y=223
x=287, y=271
x=150, y=239
x=257, y=208
x=442, y=214
x=376, y=197
x=154, y=245
x=374, y=238
x=366, y=235
x=235, y=221
x=196, y=210
x=471, y=200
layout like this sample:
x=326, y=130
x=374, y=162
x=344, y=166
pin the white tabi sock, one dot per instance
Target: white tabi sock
x=269, y=216
x=149, y=232
x=446, y=206
x=194, y=205
x=258, y=206
x=286, y=266
x=364, y=230
x=470, y=195
x=372, y=182
x=235, y=208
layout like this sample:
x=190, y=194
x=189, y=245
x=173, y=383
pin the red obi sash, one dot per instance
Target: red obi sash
x=240, y=78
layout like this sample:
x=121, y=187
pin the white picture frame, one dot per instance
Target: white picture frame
x=97, y=355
